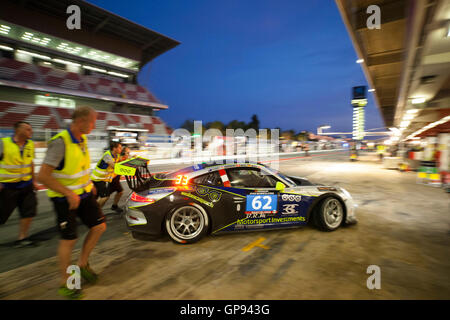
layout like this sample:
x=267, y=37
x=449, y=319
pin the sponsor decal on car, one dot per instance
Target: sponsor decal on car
x=257, y=215
x=202, y=191
x=213, y=195
x=291, y=197
x=161, y=190
x=270, y=220
x=261, y=203
x=290, y=208
x=201, y=200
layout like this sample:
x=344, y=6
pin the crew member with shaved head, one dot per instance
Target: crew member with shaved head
x=17, y=183
x=66, y=173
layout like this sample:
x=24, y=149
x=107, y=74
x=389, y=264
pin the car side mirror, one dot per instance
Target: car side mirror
x=280, y=186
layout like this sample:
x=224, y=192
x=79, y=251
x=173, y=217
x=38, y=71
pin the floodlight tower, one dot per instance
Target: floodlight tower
x=359, y=102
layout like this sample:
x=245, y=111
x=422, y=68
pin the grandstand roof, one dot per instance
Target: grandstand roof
x=96, y=20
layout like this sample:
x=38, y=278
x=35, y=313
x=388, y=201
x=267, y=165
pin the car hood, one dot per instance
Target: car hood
x=314, y=190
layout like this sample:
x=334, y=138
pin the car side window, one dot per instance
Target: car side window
x=250, y=178
x=210, y=179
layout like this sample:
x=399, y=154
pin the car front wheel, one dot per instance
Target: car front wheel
x=329, y=215
x=187, y=224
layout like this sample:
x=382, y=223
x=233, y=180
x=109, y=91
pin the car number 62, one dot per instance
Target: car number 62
x=261, y=203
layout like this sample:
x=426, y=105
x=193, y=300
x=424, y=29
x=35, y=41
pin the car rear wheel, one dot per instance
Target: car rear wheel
x=187, y=224
x=329, y=215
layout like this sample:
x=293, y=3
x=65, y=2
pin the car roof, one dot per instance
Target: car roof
x=199, y=169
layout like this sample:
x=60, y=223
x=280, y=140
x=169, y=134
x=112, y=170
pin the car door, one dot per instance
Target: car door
x=210, y=192
x=258, y=205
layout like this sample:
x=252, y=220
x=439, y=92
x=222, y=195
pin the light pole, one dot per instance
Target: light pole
x=319, y=129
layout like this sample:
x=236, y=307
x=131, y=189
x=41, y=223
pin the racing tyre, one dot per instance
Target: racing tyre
x=187, y=224
x=329, y=214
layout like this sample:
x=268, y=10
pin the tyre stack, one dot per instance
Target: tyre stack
x=429, y=174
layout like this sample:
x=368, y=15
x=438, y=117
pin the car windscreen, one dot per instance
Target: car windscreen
x=278, y=173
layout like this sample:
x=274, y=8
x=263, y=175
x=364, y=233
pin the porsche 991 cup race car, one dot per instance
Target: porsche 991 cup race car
x=194, y=201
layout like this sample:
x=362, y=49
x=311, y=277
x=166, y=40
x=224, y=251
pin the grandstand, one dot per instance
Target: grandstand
x=46, y=70
x=54, y=118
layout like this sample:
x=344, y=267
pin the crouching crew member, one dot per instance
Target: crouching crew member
x=115, y=185
x=66, y=173
x=103, y=173
x=17, y=183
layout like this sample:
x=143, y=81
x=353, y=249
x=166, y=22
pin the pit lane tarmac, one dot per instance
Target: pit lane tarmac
x=403, y=228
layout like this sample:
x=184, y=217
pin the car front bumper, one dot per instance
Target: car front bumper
x=351, y=212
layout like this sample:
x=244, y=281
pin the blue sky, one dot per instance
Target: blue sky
x=291, y=62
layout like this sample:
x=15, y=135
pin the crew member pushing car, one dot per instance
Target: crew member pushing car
x=103, y=173
x=66, y=173
x=115, y=185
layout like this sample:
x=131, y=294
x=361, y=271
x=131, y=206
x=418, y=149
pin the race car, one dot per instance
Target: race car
x=210, y=199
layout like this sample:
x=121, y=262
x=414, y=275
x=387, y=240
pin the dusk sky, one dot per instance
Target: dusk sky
x=291, y=62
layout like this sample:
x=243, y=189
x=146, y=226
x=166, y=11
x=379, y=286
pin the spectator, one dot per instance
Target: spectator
x=437, y=155
x=306, y=149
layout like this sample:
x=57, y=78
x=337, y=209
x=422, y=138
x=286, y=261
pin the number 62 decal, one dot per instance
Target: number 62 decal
x=261, y=203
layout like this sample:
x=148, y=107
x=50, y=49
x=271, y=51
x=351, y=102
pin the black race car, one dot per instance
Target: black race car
x=201, y=199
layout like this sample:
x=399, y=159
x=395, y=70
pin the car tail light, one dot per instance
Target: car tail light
x=184, y=188
x=137, y=198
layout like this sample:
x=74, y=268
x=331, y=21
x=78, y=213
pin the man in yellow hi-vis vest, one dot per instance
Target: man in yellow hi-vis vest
x=115, y=185
x=65, y=171
x=381, y=150
x=103, y=173
x=17, y=183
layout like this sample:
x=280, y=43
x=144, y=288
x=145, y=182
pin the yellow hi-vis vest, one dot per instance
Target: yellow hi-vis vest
x=76, y=171
x=99, y=174
x=14, y=167
x=381, y=149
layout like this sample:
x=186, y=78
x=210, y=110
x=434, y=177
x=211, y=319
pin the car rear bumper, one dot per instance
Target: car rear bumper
x=143, y=222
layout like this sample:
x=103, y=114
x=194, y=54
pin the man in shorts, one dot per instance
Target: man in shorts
x=65, y=171
x=103, y=172
x=17, y=183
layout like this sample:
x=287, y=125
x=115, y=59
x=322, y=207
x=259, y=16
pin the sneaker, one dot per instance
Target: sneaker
x=74, y=294
x=116, y=208
x=88, y=274
x=25, y=243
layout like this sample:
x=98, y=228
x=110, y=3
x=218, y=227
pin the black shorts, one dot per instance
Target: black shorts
x=88, y=211
x=115, y=185
x=23, y=198
x=102, y=189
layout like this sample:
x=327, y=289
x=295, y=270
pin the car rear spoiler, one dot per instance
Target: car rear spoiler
x=136, y=173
